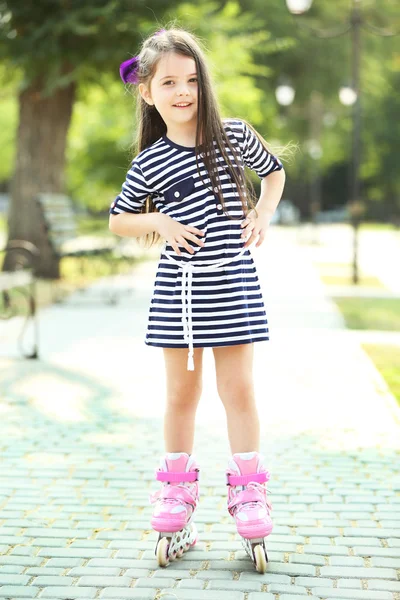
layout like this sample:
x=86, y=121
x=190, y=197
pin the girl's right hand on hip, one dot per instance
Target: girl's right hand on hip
x=176, y=234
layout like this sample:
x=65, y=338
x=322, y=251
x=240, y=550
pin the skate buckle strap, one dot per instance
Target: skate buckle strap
x=245, y=479
x=175, y=477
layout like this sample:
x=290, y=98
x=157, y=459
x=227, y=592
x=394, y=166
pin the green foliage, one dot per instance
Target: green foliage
x=379, y=314
x=8, y=122
x=387, y=361
x=46, y=37
x=98, y=146
x=102, y=127
x=250, y=44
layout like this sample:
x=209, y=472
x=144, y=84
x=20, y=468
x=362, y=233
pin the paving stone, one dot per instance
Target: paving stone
x=44, y=571
x=81, y=571
x=318, y=531
x=226, y=575
x=45, y=580
x=195, y=584
x=366, y=551
x=240, y=586
x=267, y=577
x=154, y=582
x=28, y=561
x=279, y=588
x=353, y=541
x=74, y=552
x=346, y=561
x=11, y=591
x=291, y=569
x=292, y=597
x=65, y=563
x=380, y=584
x=13, y=579
x=360, y=572
x=359, y=531
x=5, y=569
x=350, y=594
x=191, y=594
x=312, y=582
x=68, y=592
x=326, y=550
x=307, y=559
x=377, y=561
x=130, y=593
x=349, y=583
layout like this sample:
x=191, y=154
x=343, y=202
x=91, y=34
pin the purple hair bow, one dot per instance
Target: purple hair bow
x=129, y=70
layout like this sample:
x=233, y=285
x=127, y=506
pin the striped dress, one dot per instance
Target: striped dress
x=213, y=297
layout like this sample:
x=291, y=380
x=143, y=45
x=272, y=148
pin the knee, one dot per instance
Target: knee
x=184, y=396
x=238, y=395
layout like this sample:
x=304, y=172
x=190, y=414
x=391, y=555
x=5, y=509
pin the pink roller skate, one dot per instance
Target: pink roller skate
x=249, y=505
x=176, y=503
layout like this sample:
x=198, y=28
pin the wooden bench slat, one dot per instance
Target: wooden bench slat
x=60, y=220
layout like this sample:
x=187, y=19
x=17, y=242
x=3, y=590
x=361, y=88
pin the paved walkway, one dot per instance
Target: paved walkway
x=82, y=435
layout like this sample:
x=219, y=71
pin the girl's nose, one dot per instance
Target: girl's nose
x=183, y=90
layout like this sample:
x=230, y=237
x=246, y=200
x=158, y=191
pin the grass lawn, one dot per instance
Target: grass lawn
x=387, y=361
x=378, y=226
x=364, y=281
x=342, y=274
x=382, y=314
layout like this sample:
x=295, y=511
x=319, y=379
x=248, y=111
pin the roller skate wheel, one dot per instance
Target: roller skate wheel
x=162, y=552
x=179, y=554
x=260, y=558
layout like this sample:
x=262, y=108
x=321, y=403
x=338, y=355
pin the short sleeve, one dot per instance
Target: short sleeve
x=134, y=192
x=255, y=156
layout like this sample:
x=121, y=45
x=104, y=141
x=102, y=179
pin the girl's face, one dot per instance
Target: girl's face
x=174, y=82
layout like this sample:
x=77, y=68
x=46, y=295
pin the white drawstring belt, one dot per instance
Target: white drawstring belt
x=187, y=278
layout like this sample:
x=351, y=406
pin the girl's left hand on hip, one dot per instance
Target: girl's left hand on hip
x=254, y=226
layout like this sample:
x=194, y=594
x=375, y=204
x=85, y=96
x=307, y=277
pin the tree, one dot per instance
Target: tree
x=56, y=44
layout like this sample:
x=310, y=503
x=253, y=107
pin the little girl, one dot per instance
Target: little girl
x=187, y=185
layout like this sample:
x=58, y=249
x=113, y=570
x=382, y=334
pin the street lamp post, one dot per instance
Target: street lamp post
x=354, y=24
x=285, y=94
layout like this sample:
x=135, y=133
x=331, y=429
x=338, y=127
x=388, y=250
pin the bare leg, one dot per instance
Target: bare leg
x=233, y=365
x=183, y=395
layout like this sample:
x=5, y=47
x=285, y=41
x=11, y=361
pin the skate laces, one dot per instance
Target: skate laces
x=156, y=495
x=255, y=486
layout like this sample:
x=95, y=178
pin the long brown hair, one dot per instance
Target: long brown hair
x=209, y=123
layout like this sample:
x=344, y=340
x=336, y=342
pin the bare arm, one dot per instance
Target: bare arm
x=271, y=192
x=138, y=225
x=134, y=225
x=255, y=225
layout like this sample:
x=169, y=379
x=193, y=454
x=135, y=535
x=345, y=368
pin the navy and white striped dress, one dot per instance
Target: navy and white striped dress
x=226, y=304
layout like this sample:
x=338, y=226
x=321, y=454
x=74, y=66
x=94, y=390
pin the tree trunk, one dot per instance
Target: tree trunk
x=40, y=160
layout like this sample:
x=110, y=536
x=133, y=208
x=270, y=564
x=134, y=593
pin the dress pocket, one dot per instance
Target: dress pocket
x=179, y=191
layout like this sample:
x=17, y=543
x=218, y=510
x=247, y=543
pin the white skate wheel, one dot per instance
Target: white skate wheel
x=162, y=552
x=179, y=554
x=260, y=559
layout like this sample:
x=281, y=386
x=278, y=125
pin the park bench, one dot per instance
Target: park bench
x=17, y=281
x=60, y=227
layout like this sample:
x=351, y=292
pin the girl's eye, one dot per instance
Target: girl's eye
x=170, y=80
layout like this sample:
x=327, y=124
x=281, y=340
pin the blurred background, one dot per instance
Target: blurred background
x=323, y=75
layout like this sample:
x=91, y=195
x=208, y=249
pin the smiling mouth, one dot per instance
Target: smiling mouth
x=183, y=105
